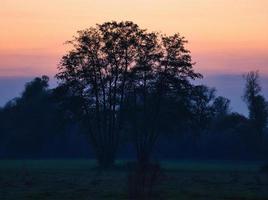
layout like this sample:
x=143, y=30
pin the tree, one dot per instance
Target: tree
x=160, y=81
x=96, y=71
x=233, y=122
x=261, y=114
x=143, y=98
x=220, y=112
x=31, y=120
x=252, y=89
x=35, y=88
x=201, y=108
x=117, y=70
x=258, y=107
x=221, y=107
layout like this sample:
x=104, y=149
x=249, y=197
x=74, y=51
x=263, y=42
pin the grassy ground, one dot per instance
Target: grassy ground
x=80, y=179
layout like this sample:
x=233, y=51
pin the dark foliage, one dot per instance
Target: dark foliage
x=257, y=106
x=131, y=92
x=31, y=121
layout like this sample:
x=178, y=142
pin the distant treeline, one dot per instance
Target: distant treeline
x=125, y=92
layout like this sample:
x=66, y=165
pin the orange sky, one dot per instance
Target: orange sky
x=225, y=36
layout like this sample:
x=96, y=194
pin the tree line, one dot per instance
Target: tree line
x=122, y=84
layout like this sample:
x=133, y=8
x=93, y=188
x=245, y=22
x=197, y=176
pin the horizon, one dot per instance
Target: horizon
x=227, y=85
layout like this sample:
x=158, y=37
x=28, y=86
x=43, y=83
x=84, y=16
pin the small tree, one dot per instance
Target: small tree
x=220, y=112
x=258, y=107
x=201, y=107
x=221, y=107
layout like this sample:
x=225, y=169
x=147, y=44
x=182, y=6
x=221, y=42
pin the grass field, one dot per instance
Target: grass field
x=81, y=180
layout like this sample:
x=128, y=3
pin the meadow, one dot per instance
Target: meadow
x=82, y=180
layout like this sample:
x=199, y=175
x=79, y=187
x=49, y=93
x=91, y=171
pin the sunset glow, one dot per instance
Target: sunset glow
x=225, y=36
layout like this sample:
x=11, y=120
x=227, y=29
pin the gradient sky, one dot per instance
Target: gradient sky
x=225, y=36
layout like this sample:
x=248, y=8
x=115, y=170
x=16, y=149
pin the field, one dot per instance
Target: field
x=80, y=179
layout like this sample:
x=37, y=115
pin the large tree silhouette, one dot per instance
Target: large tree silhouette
x=114, y=62
x=96, y=71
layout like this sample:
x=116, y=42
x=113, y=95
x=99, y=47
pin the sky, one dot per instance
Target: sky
x=226, y=37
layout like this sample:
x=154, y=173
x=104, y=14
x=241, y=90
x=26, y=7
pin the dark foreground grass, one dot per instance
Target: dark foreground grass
x=81, y=180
